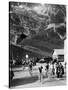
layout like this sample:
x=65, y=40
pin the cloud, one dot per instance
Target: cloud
x=40, y=9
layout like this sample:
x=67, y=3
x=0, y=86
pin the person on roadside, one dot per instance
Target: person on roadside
x=47, y=68
x=11, y=74
x=40, y=72
x=61, y=70
x=50, y=70
x=58, y=70
x=53, y=69
x=30, y=68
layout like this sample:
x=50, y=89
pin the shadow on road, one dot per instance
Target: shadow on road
x=22, y=81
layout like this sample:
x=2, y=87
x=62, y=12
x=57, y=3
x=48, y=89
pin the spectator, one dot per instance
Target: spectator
x=61, y=70
x=30, y=68
x=11, y=74
x=47, y=68
x=53, y=70
x=50, y=70
x=40, y=71
x=57, y=70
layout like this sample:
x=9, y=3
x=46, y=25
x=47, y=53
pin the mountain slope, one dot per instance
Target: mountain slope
x=43, y=32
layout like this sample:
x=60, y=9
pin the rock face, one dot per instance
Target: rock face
x=41, y=27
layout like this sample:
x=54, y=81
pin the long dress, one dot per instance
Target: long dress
x=50, y=71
